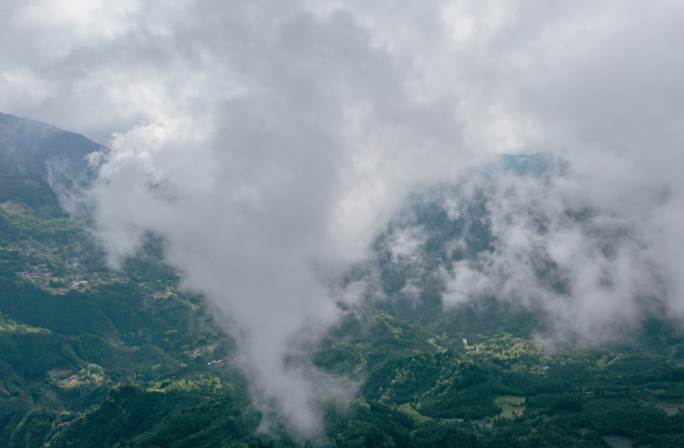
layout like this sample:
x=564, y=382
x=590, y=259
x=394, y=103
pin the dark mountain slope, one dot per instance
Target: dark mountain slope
x=33, y=155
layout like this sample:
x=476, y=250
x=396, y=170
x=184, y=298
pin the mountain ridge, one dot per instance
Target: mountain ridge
x=34, y=155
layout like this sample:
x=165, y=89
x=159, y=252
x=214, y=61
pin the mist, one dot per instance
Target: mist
x=270, y=143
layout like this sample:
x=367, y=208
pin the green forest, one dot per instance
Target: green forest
x=90, y=356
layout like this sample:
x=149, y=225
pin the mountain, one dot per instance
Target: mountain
x=75, y=335
x=91, y=357
x=33, y=154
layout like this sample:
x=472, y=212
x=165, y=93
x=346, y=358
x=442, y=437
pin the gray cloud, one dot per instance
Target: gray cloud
x=280, y=138
x=593, y=274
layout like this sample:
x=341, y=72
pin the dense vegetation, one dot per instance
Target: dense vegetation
x=91, y=357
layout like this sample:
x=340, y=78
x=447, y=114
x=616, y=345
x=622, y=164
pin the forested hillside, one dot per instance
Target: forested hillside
x=95, y=357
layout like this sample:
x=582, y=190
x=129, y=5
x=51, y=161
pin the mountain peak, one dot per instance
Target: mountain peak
x=29, y=150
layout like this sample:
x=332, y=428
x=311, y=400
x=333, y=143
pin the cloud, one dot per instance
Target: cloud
x=269, y=143
x=268, y=168
x=593, y=274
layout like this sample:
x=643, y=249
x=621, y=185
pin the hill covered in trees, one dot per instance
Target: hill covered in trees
x=95, y=357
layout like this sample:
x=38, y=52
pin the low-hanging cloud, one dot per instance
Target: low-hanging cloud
x=269, y=143
x=593, y=274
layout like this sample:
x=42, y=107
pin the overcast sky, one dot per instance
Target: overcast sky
x=281, y=136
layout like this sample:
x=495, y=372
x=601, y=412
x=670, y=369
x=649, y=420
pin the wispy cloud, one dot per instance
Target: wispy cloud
x=270, y=142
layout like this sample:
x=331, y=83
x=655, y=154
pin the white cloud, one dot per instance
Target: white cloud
x=282, y=136
x=594, y=273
